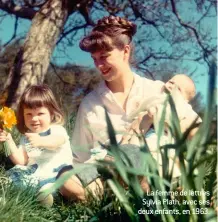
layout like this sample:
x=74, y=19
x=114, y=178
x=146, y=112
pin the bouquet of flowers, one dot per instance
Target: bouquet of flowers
x=7, y=121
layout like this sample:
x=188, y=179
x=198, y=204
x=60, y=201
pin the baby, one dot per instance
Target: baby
x=182, y=90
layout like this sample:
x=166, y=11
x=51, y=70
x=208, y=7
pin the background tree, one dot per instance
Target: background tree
x=69, y=82
x=169, y=32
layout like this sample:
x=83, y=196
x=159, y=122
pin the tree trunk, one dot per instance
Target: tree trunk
x=32, y=61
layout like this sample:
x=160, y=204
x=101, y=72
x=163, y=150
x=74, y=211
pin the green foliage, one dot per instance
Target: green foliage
x=197, y=160
x=70, y=123
x=193, y=157
x=5, y=162
x=70, y=83
x=20, y=205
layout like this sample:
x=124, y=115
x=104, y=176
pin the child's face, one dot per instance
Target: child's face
x=37, y=120
x=176, y=82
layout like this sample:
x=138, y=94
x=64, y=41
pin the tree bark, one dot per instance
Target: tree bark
x=32, y=61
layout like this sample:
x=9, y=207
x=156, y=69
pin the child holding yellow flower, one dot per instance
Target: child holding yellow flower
x=7, y=121
x=7, y=118
x=44, y=147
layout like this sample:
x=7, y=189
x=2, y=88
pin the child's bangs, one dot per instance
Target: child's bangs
x=34, y=102
x=95, y=42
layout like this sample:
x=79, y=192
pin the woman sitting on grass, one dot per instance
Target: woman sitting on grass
x=121, y=92
x=44, y=147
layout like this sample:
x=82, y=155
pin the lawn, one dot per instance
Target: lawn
x=191, y=197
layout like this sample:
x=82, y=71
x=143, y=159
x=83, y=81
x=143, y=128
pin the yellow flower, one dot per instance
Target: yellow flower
x=7, y=118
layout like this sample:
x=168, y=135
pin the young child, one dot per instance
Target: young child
x=44, y=147
x=182, y=90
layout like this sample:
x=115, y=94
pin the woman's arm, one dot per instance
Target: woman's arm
x=18, y=155
x=82, y=139
x=187, y=122
x=139, y=126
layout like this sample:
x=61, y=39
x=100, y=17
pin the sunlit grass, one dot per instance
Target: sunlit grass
x=169, y=199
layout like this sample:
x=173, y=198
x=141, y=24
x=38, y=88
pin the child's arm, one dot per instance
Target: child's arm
x=50, y=142
x=18, y=156
x=57, y=137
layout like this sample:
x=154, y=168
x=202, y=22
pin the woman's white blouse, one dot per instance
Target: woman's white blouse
x=91, y=128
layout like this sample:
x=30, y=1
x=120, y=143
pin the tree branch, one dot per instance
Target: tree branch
x=14, y=34
x=19, y=11
x=203, y=15
x=84, y=9
x=33, y=4
x=147, y=72
x=56, y=73
x=138, y=14
x=65, y=33
x=174, y=10
x=170, y=57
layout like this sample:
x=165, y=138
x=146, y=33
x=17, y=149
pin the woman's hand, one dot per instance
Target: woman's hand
x=134, y=127
x=138, y=126
x=145, y=123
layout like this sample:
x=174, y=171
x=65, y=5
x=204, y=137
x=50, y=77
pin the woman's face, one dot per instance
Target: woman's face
x=111, y=64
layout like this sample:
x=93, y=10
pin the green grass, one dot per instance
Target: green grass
x=21, y=205
x=119, y=204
